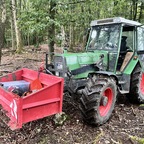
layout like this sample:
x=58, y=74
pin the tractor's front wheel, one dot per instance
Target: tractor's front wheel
x=98, y=99
x=136, y=94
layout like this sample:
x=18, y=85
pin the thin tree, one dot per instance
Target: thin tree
x=13, y=37
x=51, y=29
x=17, y=31
x=2, y=25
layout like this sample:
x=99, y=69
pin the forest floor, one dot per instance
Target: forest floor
x=126, y=123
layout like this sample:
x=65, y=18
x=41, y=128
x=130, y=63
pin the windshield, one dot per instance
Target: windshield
x=104, y=37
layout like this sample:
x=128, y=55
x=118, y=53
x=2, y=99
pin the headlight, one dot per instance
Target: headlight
x=60, y=66
x=58, y=62
x=57, y=73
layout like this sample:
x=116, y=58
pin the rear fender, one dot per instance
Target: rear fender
x=131, y=65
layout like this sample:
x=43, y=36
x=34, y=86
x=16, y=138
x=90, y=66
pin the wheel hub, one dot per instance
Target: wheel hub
x=104, y=101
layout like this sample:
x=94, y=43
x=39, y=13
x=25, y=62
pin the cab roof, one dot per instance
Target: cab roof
x=115, y=20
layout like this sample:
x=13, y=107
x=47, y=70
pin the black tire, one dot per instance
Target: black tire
x=136, y=94
x=92, y=100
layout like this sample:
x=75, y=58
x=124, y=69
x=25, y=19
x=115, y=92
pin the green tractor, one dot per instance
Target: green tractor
x=113, y=62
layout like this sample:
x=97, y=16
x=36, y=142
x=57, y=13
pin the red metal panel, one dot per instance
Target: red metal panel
x=45, y=102
x=49, y=98
x=9, y=103
x=41, y=111
x=16, y=111
x=44, y=78
x=12, y=76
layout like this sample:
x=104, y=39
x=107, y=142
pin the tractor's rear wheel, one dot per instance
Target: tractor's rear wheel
x=98, y=99
x=136, y=94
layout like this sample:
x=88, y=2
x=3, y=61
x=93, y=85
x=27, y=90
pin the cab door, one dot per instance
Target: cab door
x=126, y=47
x=140, y=45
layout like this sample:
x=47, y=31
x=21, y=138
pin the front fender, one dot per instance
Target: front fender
x=110, y=74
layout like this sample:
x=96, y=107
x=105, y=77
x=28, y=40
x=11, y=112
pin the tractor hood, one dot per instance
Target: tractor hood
x=77, y=60
x=74, y=61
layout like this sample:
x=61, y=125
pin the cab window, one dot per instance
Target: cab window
x=140, y=39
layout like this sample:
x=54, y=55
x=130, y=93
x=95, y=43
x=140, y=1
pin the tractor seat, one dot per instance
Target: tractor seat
x=127, y=58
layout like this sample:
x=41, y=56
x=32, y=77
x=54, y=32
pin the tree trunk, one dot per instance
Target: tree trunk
x=131, y=11
x=17, y=31
x=13, y=35
x=28, y=40
x=51, y=29
x=12, y=29
x=71, y=31
x=134, y=6
x=63, y=43
x=2, y=26
x=141, y=10
x=70, y=36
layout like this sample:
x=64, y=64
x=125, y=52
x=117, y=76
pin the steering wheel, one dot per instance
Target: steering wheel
x=110, y=45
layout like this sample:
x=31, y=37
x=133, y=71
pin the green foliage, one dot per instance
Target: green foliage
x=137, y=139
x=34, y=22
x=74, y=15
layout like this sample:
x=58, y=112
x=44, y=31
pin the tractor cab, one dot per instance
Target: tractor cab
x=117, y=36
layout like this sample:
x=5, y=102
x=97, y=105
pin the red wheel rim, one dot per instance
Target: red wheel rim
x=105, y=109
x=142, y=84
